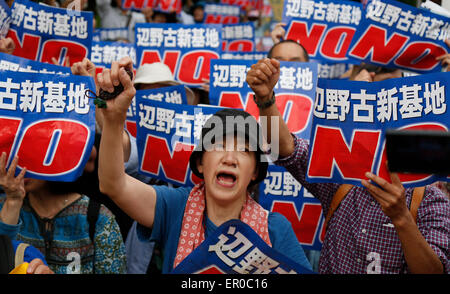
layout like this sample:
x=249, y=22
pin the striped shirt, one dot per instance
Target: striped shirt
x=360, y=238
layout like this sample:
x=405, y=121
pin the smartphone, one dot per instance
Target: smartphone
x=418, y=151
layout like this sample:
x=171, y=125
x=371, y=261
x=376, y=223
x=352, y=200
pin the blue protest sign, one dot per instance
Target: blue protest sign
x=15, y=63
x=104, y=53
x=254, y=56
x=397, y=35
x=351, y=118
x=238, y=37
x=110, y=34
x=280, y=192
x=294, y=90
x=325, y=28
x=171, y=94
x=43, y=32
x=166, y=135
x=186, y=49
x=221, y=13
x=48, y=122
x=234, y=248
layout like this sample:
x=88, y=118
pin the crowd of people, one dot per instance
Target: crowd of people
x=117, y=220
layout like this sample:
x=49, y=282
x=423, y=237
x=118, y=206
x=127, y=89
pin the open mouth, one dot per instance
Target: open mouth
x=226, y=179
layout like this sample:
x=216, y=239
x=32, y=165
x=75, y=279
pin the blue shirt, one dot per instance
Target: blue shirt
x=170, y=205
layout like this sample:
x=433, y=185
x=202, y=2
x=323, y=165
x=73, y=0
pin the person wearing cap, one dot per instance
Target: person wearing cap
x=227, y=165
x=158, y=75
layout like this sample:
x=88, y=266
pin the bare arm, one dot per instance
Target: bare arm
x=262, y=78
x=419, y=255
x=137, y=199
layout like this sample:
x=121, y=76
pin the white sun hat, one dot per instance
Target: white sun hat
x=158, y=72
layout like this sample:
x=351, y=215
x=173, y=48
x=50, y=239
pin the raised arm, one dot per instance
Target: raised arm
x=262, y=78
x=137, y=199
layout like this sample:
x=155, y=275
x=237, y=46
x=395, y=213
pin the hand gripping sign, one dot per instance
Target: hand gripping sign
x=167, y=133
x=325, y=28
x=185, y=49
x=351, y=118
x=47, y=121
x=43, y=32
x=234, y=248
x=394, y=34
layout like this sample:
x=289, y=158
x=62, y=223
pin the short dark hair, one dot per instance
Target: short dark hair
x=305, y=53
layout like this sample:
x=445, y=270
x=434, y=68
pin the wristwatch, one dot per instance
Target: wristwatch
x=265, y=104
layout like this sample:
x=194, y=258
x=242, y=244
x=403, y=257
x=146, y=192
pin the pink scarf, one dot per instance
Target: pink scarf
x=192, y=231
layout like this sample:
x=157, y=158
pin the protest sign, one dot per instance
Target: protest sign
x=280, y=192
x=166, y=135
x=294, y=98
x=325, y=28
x=255, y=4
x=351, y=118
x=5, y=18
x=48, y=122
x=172, y=94
x=254, y=56
x=393, y=34
x=104, y=53
x=186, y=47
x=15, y=63
x=332, y=70
x=294, y=90
x=238, y=37
x=110, y=34
x=221, y=13
x=234, y=248
x=42, y=32
x=167, y=6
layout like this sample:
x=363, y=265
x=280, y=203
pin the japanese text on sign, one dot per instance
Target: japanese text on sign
x=385, y=105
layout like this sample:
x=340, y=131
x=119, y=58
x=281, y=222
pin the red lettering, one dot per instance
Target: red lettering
x=34, y=149
x=407, y=178
x=212, y=18
x=306, y=225
x=62, y=50
x=336, y=42
x=28, y=47
x=420, y=55
x=196, y=66
x=157, y=155
x=8, y=132
x=230, y=19
x=170, y=58
x=373, y=42
x=298, y=31
x=241, y=46
x=296, y=110
x=329, y=149
x=133, y=4
x=131, y=127
x=231, y=99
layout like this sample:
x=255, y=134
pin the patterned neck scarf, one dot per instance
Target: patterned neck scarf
x=193, y=232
